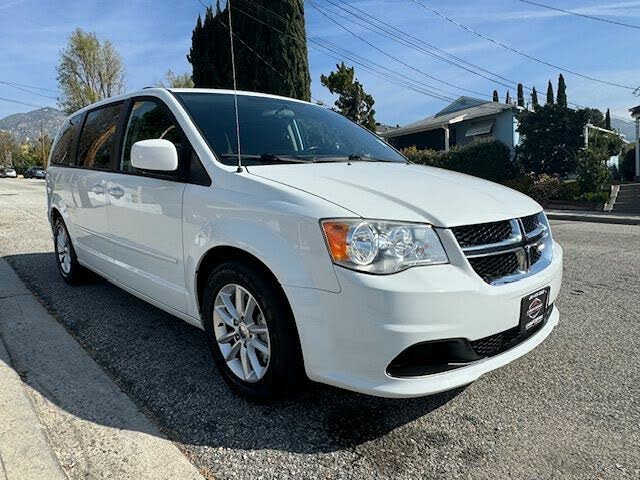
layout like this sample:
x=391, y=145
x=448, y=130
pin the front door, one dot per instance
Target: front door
x=145, y=212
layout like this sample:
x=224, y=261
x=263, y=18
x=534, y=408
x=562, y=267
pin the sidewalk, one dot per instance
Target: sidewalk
x=596, y=217
x=61, y=416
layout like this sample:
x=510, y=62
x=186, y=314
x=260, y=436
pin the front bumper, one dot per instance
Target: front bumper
x=349, y=338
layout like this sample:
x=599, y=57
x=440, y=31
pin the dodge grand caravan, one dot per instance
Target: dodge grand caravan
x=326, y=255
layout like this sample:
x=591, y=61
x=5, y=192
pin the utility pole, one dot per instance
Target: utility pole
x=44, y=160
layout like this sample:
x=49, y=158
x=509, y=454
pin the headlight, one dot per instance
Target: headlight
x=382, y=247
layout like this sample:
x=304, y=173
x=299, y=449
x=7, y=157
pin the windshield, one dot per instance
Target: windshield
x=273, y=129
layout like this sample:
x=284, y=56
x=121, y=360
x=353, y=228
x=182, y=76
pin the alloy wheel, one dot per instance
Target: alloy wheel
x=63, y=250
x=241, y=333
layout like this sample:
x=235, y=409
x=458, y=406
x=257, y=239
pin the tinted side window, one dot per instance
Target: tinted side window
x=148, y=120
x=62, y=154
x=98, y=136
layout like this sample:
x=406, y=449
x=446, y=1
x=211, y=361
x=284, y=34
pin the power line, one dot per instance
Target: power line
x=266, y=62
x=519, y=52
x=386, y=54
x=22, y=103
x=25, y=90
x=400, y=39
x=425, y=88
x=577, y=14
x=409, y=84
x=420, y=45
x=32, y=87
x=324, y=46
x=338, y=53
x=354, y=58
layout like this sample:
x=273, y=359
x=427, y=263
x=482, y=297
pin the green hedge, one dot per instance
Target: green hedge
x=627, y=166
x=488, y=160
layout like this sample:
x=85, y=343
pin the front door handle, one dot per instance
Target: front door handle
x=116, y=192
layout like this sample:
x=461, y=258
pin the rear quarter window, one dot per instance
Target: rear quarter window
x=62, y=151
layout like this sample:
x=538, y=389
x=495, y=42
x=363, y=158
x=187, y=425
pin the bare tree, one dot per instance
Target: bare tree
x=172, y=80
x=88, y=71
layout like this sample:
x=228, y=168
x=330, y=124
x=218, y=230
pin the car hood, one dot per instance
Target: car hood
x=405, y=192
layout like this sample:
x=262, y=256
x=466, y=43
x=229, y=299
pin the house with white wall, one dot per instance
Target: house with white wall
x=464, y=121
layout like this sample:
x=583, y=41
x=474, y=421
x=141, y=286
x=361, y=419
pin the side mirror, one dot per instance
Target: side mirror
x=156, y=154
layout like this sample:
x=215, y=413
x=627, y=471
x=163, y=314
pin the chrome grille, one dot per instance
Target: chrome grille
x=505, y=251
x=495, y=266
x=531, y=222
x=483, y=233
x=535, y=254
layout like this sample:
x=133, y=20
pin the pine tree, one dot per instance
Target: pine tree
x=495, y=96
x=534, y=98
x=607, y=120
x=561, y=98
x=285, y=69
x=507, y=99
x=353, y=102
x=549, y=94
x=520, y=95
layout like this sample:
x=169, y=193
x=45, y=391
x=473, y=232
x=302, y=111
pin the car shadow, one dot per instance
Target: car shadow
x=164, y=366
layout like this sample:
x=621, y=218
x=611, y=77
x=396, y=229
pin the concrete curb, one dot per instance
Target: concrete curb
x=593, y=217
x=94, y=428
x=24, y=449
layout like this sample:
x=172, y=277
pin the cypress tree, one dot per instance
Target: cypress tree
x=287, y=71
x=549, y=94
x=495, y=96
x=534, y=98
x=507, y=98
x=607, y=120
x=520, y=96
x=561, y=98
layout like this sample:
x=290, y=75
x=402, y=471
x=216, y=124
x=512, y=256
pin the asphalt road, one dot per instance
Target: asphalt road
x=570, y=409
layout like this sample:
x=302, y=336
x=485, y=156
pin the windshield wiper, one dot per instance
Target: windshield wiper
x=349, y=158
x=363, y=158
x=266, y=157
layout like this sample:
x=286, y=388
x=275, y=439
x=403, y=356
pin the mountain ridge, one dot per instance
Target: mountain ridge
x=25, y=127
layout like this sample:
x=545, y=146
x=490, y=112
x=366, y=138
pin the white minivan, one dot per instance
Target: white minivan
x=326, y=255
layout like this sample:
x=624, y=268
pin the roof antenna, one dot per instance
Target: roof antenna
x=235, y=88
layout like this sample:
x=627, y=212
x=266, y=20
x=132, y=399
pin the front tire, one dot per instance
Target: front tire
x=251, y=333
x=66, y=260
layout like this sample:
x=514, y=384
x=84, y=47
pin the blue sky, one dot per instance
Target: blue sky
x=153, y=36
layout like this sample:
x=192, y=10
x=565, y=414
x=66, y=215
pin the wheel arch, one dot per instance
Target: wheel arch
x=225, y=253
x=54, y=215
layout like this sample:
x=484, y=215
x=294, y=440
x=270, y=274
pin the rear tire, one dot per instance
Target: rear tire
x=251, y=333
x=72, y=272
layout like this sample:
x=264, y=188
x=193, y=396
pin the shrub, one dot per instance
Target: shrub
x=489, y=160
x=597, y=197
x=545, y=188
x=592, y=169
x=627, y=165
x=522, y=183
x=569, y=191
x=424, y=157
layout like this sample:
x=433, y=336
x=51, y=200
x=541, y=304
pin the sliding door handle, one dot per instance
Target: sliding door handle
x=116, y=192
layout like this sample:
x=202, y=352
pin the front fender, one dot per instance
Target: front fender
x=278, y=233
